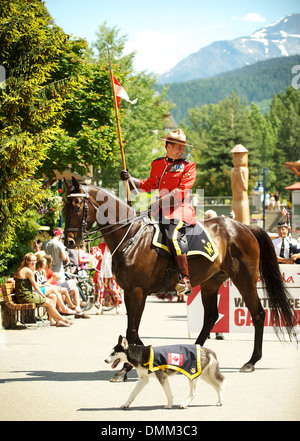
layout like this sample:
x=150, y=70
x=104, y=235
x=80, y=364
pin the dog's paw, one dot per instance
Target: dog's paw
x=183, y=406
x=168, y=406
x=219, y=403
x=125, y=406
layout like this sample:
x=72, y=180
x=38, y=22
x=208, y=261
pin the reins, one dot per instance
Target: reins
x=87, y=234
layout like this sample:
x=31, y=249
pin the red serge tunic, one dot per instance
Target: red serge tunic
x=179, y=176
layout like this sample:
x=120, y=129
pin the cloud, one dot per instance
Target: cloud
x=253, y=17
x=157, y=51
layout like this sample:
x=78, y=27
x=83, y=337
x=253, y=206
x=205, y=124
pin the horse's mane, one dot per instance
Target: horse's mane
x=110, y=193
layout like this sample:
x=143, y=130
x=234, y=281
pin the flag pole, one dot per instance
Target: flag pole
x=118, y=124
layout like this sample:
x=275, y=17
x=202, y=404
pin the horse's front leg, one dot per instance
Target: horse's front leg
x=209, y=294
x=135, y=303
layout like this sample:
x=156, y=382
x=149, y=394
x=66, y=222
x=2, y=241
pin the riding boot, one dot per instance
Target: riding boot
x=184, y=285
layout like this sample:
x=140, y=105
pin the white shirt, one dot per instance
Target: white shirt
x=277, y=245
x=106, y=265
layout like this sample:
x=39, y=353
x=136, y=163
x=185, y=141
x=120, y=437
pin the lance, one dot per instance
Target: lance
x=118, y=124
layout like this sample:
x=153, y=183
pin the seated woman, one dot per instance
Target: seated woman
x=70, y=285
x=28, y=291
x=57, y=294
x=83, y=257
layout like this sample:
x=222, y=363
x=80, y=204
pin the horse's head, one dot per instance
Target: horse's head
x=87, y=204
x=79, y=218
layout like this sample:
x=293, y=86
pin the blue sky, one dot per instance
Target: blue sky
x=163, y=32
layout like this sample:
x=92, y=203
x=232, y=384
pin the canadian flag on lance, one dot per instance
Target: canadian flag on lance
x=284, y=212
x=121, y=93
x=175, y=359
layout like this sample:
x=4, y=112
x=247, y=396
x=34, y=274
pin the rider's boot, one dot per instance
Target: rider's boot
x=184, y=285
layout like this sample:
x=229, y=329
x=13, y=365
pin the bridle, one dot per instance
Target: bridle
x=84, y=233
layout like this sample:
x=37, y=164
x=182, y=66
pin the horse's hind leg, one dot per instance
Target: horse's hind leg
x=209, y=294
x=258, y=317
x=248, y=291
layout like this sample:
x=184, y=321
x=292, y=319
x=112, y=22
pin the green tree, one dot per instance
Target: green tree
x=88, y=134
x=214, y=130
x=265, y=139
x=110, y=37
x=31, y=105
x=140, y=123
x=285, y=118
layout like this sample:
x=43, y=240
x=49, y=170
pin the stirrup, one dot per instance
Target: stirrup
x=184, y=286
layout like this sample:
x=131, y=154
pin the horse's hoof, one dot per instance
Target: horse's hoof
x=119, y=377
x=248, y=367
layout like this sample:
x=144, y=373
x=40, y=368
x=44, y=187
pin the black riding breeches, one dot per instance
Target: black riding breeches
x=175, y=236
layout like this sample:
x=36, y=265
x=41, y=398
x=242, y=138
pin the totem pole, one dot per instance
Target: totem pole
x=239, y=184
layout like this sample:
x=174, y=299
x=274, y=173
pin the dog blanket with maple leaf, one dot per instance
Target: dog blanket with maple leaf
x=182, y=358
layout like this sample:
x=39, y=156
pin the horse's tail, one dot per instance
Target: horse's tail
x=279, y=297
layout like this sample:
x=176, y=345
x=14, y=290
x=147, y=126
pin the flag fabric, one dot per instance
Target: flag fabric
x=121, y=93
x=185, y=359
x=175, y=359
x=284, y=212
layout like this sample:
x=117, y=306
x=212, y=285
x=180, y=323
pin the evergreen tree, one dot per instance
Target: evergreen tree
x=140, y=123
x=31, y=105
x=264, y=146
x=110, y=37
x=218, y=129
x=285, y=119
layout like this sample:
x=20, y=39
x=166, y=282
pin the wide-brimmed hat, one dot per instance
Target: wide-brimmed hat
x=177, y=136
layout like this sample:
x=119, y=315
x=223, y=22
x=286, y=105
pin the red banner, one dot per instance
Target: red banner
x=234, y=316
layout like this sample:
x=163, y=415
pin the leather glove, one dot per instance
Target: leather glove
x=125, y=175
x=164, y=201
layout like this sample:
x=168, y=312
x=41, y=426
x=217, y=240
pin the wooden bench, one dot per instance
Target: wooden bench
x=13, y=313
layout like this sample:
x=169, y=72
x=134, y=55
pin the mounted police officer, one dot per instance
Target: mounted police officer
x=174, y=177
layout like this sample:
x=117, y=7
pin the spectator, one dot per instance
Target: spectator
x=106, y=282
x=56, y=293
x=277, y=201
x=297, y=229
x=36, y=246
x=210, y=214
x=73, y=258
x=97, y=253
x=70, y=285
x=267, y=203
x=59, y=255
x=272, y=202
x=58, y=252
x=83, y=257
x=285, y=246
x=28, y=291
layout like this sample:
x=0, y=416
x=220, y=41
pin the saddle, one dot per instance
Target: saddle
x=199, y=243
x=198, y=238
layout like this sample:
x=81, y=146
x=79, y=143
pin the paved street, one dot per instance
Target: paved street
x=59, y=373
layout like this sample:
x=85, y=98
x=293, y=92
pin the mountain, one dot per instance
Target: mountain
x=280, y=39
x=256, y=83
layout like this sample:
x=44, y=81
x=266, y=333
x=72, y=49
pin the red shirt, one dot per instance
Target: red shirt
x=178, y=175
x=96, y=252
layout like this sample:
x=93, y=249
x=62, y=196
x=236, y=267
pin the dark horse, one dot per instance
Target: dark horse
x=139, y=270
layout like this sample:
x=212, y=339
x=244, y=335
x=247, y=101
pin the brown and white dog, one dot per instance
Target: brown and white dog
x=204, y=364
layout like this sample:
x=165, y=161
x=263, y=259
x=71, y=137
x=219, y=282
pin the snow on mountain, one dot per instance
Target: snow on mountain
x=280, y=39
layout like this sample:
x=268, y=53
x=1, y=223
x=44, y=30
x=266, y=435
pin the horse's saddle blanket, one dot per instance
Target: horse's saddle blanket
x=185, y=359
x=199, y=242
